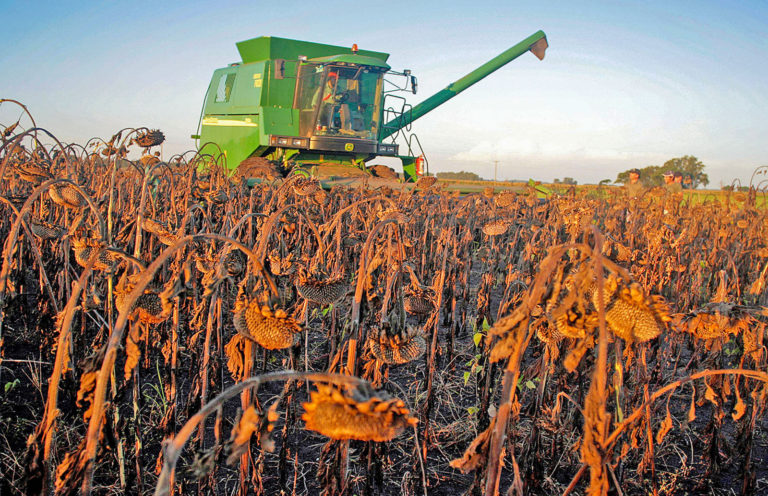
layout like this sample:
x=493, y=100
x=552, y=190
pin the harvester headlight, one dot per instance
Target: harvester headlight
x=282, y=141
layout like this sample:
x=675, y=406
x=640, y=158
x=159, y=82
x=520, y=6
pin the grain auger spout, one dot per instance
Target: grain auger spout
x=536, y=43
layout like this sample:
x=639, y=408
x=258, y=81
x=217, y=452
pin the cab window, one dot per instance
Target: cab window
x=349, y=103
x=338, y=101
x=310, y=79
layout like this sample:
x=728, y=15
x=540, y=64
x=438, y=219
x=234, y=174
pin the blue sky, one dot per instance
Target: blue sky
x=624, y=84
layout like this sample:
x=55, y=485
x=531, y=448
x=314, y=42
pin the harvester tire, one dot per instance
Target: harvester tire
x=383, y=171
x=259, y=167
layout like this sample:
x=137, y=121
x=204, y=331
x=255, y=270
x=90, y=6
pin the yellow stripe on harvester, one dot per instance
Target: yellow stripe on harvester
x=210, y=121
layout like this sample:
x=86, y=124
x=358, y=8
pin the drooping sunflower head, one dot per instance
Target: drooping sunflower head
x=426, y=182
x=272, y=329
x=629, y=312
x=567, y=306
x=720, y=319
x=396, y=347
x=496, y=227
x=45, y=230
x=505, y=199
x=321, y=290
x=66, y=195
x=151, y=307
x=362, y=414
x=150, y=138
x=419, y=300
x=160, y=230
x=306, y=186
x=84, y=247
x=234, y=263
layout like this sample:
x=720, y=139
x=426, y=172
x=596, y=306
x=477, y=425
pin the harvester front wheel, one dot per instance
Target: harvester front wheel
x=260, y=167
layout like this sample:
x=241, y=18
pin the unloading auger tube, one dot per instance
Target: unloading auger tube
x=536, y=43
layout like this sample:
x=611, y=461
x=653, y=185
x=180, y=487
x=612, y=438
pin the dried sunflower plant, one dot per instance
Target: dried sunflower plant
x=166, y=327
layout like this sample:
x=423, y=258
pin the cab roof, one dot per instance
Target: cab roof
x=351, y=59
x=273, y=47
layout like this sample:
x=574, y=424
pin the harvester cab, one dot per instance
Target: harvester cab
x=298, y=106
x=339, y=102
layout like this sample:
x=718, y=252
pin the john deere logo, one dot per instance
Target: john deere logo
x=349, y=146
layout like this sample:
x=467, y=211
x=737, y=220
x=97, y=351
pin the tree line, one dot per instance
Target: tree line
x=460, y=176
x=653, y=175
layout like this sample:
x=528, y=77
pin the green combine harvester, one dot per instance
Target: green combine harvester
x=298, y=107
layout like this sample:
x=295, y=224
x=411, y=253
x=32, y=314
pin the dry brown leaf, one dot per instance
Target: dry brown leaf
x=710, y=394
x=235, y=351
x=692, y=409
x=758, y=286
x=241, y=434
x=132, y=351
x=739, y=408
x=576, y=354
x=477, y=452
x=85, y=392
x=267, y=426
x=664, y=428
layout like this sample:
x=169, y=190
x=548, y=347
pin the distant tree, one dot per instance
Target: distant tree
x=461, y=176
x=689, y=165
x=653, y=175
x=556, y=181
x=604, y=182
x=731, y=187
x=649, y=176
x=570, y=181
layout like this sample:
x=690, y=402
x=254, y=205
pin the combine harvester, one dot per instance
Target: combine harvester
x=298, y=107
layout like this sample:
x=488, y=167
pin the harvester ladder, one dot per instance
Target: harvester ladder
x=400, y=118
x=402, y=125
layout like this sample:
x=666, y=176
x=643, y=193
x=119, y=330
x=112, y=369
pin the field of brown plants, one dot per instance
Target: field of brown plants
x=166, y=329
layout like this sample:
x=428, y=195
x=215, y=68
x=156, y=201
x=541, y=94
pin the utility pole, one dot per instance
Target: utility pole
x=495, y=169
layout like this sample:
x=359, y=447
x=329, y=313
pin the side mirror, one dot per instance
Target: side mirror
x=414, y=84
